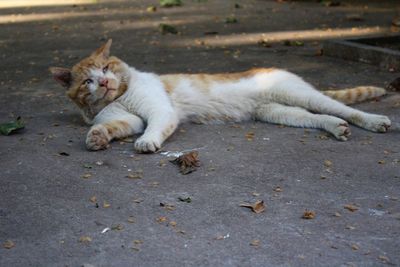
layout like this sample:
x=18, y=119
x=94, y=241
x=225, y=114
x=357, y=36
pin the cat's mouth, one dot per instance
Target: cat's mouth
x=108, y=91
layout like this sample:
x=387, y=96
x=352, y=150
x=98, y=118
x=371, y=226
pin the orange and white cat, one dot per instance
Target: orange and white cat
x=121, y=101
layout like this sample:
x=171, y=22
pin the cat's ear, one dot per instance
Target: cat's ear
x=62, y=76
x=104, y=50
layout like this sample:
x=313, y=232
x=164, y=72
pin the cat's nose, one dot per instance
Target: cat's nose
x=103, y=82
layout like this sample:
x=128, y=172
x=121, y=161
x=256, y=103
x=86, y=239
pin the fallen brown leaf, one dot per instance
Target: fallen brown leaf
x=167, y=206
x=188, y=162
x=250, y=136
x=328, y=163
x=135, y=175
x=106, y=204
x=161, y=219
x=350, y=207
x=257, y=207
x=85, y=239
x=8, y=244
x=308, y=215
x=86, y=176
x=93, y=199
x=255, y=243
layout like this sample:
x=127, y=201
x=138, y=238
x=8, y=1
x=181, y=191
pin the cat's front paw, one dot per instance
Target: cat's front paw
x=97, y=138
x=377, y=123
x=147, y=145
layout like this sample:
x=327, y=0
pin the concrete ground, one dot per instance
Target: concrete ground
x=56, y=198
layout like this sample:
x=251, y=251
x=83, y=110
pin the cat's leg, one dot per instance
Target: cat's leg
x=293, y=91
x=112, y=126
x=159, y=127
x=299, y=117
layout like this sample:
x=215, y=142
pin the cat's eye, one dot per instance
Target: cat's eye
x=105, y=69
x=88, y=81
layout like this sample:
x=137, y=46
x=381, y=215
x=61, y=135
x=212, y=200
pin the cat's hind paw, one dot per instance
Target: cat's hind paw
x=97, y=138
x=147, y=145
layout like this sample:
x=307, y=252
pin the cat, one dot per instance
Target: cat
x=120, y=101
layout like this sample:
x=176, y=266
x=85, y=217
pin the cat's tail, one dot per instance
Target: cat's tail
x=356, y=94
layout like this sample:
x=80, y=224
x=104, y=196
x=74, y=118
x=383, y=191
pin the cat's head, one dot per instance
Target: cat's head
x=95, y=81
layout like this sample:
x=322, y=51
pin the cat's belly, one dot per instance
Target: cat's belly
x=214, y=112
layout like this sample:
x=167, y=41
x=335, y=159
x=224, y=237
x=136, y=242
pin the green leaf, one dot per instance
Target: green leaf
x=170, y=3
x=166, y=28
x=231, y=19
x=11, y=127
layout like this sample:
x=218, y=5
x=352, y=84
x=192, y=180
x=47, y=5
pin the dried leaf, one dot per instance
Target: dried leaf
x=11, y=127
x=278, y=189
x=250, y=136
x=354, y=247
x=8, y=244
x=93, y=199
x=137, y=242
x=135, y=175
x=384, y=259
x=188, y=162
x=161, y=219
x=106, y=204
x=131, y=219
x=85, y=239
x=255, y=243
x=117, y=227
x=86, y=176
x=172, y=223
x=328, y=163
x=257, y=207
x=167, y=206
x=351, y=207
x=308, y=215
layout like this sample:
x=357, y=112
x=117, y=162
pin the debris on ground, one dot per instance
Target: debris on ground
x=255, y=243
x=8, y=244
x=308, y=215
x=350, y=207
x=135, y=175
x=231, y=19
x=188, y=162
x=170, y=3
x=185, y=199
x=256, y=207
x=292, y=43
x=85, y=239
x=167, y=206
x=166, y=28
x=11, y=127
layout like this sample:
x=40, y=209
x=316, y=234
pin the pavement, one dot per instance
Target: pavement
x=61, y=205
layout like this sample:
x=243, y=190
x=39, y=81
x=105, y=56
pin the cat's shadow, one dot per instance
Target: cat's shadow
x=71, y=118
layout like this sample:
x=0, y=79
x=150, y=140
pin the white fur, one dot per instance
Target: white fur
x=277, y=96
